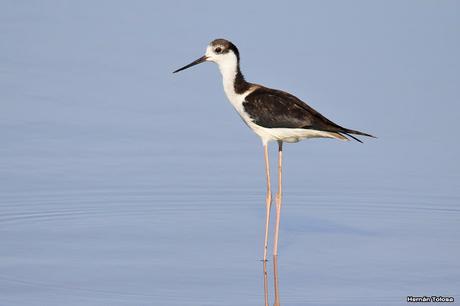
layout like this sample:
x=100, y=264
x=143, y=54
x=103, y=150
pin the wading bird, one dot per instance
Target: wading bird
x=274, y=115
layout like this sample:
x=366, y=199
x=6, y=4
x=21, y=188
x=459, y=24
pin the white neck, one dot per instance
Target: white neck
x=228, y=67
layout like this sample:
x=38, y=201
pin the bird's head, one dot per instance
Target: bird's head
x=220, y=51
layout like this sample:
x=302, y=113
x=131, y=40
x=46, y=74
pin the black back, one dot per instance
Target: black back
x=272, y=108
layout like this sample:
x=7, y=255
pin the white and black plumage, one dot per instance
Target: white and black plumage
x=272, y=114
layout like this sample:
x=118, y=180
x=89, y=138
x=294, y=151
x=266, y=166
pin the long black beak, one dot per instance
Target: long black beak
x=198, y=61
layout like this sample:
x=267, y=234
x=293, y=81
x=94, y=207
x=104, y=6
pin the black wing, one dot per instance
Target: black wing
x=272, y=108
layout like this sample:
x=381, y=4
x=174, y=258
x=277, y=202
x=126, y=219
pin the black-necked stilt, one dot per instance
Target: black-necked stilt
x=272, y=114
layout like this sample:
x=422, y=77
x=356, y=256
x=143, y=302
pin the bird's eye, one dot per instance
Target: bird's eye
x=218, y=49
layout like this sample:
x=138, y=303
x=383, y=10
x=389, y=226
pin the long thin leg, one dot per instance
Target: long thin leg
x=278, y=197
x=268, y=200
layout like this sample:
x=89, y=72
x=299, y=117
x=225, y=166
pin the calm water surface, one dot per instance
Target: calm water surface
x=129, y=232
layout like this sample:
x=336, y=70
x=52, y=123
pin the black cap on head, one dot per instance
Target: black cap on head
x=226, y=46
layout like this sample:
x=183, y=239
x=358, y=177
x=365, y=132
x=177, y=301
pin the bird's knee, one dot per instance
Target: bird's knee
x=268, y=199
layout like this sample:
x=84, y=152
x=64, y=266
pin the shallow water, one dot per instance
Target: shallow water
x=113, y=192
x=189, y=239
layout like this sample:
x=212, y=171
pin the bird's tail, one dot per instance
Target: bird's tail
x=348, y=132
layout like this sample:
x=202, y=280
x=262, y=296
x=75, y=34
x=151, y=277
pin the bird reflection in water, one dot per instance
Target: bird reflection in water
x=275, y=282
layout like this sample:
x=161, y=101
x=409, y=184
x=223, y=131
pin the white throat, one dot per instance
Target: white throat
x=228, y=68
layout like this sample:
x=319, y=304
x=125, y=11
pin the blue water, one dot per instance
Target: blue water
x=122, y=184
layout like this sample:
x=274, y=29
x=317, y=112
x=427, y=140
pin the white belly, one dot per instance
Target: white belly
x=288, y=135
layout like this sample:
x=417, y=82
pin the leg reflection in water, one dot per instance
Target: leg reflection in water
x=265, y=283
x=275, y=282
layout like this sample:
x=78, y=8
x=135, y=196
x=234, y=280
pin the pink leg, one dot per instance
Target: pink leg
x=278, y=197
x=268, y=200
